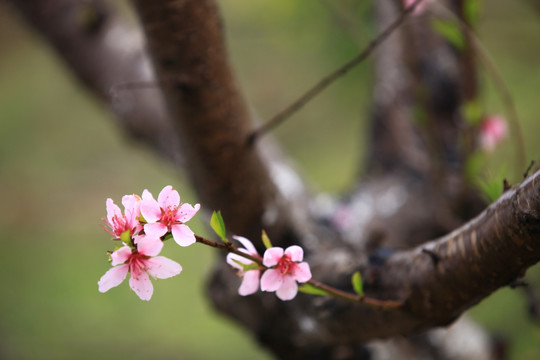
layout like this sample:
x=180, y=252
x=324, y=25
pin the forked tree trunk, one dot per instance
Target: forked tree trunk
x=412, y=193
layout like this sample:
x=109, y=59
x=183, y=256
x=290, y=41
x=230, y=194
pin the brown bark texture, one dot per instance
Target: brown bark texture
x=412, y=193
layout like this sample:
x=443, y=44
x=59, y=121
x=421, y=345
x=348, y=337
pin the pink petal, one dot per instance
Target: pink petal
x=302, y=272
x=247, y=244
x=149, y=245
x=150, y=210
x=233, y=259
x=112, y=278
x=162, y=268
x=141, y=284
x=147, y=195
x=121, y=255
x=132, y=206
x=250, y=283
x=288, y=289
x=271, y=280
x=186, y=212
x=272, y=256
x=112, y=210
x=295, y=252
x=155, y=229
x=168, y=197
x=183, y=235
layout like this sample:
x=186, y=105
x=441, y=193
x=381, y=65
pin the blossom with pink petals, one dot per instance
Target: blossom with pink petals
x=140, y=263
x=250, y=281
x=420, y=7
x=167, y=214
x=285, y=270
x=126, y=223
x=493, y=130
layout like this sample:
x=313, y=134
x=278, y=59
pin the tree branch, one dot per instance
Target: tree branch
x=485, y=254
x=86, y=35
x=188, y=50
x=330, y=78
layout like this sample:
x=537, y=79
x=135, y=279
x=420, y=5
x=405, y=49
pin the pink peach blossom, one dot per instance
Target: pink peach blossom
x=167, y=214
x=286, y=269
x=250, y=281
x=420, y=7
x=140, y=263
x=493, y=130
x=121, y=223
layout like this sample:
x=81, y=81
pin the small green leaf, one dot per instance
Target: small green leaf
x=357, y=283
x=217, y=224
x=450, y=31
x=266, y=240
x=247, y=267
x=472, y=11
x=493, y=187
x=310, y=289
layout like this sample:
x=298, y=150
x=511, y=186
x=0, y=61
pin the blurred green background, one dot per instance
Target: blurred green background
x=61, y=156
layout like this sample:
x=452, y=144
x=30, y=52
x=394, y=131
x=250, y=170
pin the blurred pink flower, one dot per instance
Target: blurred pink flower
x=250, y=281
x=286, y=269
x=140, y=263
x=167, y=214
x=121, y=223
x=493, y=130
x=419, y=8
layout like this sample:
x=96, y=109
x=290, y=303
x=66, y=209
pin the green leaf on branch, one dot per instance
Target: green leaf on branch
x=493, y=187
x=312, y=290
x=247, y=267
x=450, y=31
x=266, y=240
x=357, y=283
x=217, y=224
x=472, y=11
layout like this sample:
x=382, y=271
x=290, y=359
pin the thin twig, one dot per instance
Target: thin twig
x=500, y=85
x=529, y=168
x=330, y=78
x=331, y=291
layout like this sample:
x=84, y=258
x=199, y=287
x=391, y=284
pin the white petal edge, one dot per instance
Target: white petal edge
x=272, y=256
x=161, y=267
x=112, y=278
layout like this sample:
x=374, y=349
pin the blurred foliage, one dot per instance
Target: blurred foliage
x=61, y=156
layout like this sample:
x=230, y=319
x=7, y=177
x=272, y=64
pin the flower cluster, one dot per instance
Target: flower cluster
x=283, y=269
x=147, y=222
x=140, y=229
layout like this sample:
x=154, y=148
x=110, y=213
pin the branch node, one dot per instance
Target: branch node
x=506, y=185
x=433, y=255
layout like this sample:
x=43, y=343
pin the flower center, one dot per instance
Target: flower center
x=137, y=261
x=286, y=265
x=169, y=216
x=119, y=225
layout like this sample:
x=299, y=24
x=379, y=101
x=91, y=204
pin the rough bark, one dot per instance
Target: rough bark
x=188, y=49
